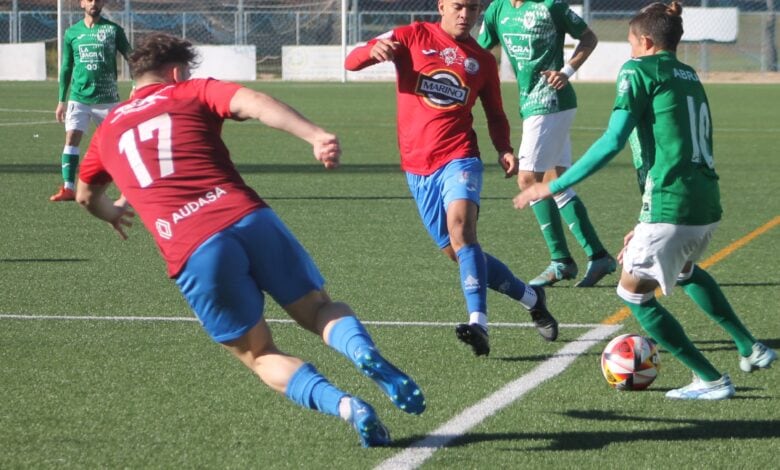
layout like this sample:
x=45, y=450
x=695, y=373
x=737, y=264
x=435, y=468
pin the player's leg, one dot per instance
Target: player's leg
x=573, y=211
x=228, y=301
x=646, y=267
x=76, y=123
x=537, y=154
x=283, y=268
x=571, y=207
x=707, y=294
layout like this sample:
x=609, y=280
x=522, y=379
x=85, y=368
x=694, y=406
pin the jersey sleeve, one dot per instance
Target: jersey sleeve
x=498, y=124
x=91, y=170
x=600, y=153
x=631, y=93
x=360, y=57
x=488, y=33
x=66, y=69
x=122, y=44
x=567, y=20
x=216, y=95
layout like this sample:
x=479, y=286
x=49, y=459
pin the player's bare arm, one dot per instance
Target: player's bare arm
x=532, y=193
x=250, y=104
x=560, y=78
x=59, y=113
x=117, y=213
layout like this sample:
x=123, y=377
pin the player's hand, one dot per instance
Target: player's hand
x=384, y=50
x=556, y=79
x=123, y=217
x=509, y=163
x=626, y=239
x=327, y=150
x=532, y=193
x=59, y=113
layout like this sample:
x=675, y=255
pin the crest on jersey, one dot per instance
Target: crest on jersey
x=450, y=56
x=471, y=65
x=442, y=89
x=101, y=35
x=529, y=20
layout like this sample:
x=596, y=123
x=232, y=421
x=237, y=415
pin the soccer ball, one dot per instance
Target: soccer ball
x=630, y=362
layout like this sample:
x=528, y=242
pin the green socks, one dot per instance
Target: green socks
x=576, y=216
x=70, y=164
x=705, y=291
x=546, y=212
x=667, y=331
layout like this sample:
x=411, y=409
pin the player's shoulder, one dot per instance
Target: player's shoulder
x=105, y=21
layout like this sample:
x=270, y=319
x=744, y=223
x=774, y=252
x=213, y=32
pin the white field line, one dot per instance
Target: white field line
x=41, y=111
x=27, y=123
x=8, y=316
x=418, y=452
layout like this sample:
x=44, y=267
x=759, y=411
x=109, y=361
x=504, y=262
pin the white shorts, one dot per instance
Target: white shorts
x=659, y=251
x=546, y=142
x=78, y=115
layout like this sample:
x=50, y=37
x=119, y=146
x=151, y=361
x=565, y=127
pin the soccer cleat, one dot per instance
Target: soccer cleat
x=761, y=358
x=545, y=323
x=700, y=390
x=555, y=272
x=475, y=336
x=404, y=393
x=597, y=269
x=364, y=420
x=64, y=194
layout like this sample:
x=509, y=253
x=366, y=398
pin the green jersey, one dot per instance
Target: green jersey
x=673, y=148
x=532, y=37
x=89, y=62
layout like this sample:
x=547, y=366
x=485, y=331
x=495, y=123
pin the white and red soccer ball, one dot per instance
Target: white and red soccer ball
x=630, y=362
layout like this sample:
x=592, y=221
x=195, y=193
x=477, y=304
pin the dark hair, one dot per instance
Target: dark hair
x=158, y=50
x=660, y=22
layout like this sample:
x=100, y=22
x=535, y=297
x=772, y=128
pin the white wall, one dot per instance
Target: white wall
x=25, y=61
x=226, y=63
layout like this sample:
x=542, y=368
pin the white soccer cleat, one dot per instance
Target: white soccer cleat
x=700, y=390
x=761, y=358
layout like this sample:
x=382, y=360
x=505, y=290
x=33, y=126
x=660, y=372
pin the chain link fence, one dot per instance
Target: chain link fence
x=271, y=24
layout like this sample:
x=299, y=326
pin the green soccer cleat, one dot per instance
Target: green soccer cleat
x=555, y=272
x=597, y=269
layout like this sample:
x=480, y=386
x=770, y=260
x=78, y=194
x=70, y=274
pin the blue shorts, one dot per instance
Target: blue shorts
x=459, y=179
x=224, y=279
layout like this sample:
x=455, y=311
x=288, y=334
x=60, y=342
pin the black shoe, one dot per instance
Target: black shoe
x=546, y=325
x=475, y=336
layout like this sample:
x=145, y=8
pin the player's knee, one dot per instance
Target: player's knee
x=561, y=199
x=634, y=298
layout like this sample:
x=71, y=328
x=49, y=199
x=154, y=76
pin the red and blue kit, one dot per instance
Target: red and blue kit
x=439, y=79
x=163, y=150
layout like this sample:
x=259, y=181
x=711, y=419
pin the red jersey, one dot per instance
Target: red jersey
x=163, y=149
x=438, y=82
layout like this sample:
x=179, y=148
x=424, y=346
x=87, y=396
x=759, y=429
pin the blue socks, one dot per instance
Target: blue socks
x=347, y=335
x=501, y=279
x=311, y=390
x=473, y=277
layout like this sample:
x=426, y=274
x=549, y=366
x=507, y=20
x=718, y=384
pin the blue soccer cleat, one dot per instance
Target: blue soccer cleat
x=364, y=420
x=402, y=391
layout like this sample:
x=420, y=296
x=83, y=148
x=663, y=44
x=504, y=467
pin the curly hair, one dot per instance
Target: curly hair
x=157, y=50
x=660, y=22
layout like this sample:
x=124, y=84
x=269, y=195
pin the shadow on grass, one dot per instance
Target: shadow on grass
x=675, y=430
